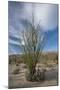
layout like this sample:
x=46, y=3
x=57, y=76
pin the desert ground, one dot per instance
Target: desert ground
x=19, y=80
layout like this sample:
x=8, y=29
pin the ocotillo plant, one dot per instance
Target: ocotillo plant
x=34, y=42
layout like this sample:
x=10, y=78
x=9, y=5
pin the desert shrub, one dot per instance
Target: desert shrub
x=16, y=71
x=12, y=59
x=56, y=59
x=17, y=64
x=9, y=61
x=34, y=41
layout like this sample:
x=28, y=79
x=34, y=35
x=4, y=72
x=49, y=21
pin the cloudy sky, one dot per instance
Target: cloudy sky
x=45, y=14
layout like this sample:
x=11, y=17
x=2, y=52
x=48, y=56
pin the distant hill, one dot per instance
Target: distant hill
x=45, y=56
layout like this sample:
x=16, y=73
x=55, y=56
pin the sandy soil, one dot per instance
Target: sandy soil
x=19, y=80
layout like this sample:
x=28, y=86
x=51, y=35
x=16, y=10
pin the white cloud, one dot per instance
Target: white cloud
x=46, y=14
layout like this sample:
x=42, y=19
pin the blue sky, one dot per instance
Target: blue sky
x=46, y=14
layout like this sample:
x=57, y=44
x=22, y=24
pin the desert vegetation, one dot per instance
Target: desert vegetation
x=46, y=71
x=34, y=42
x=33, y=66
